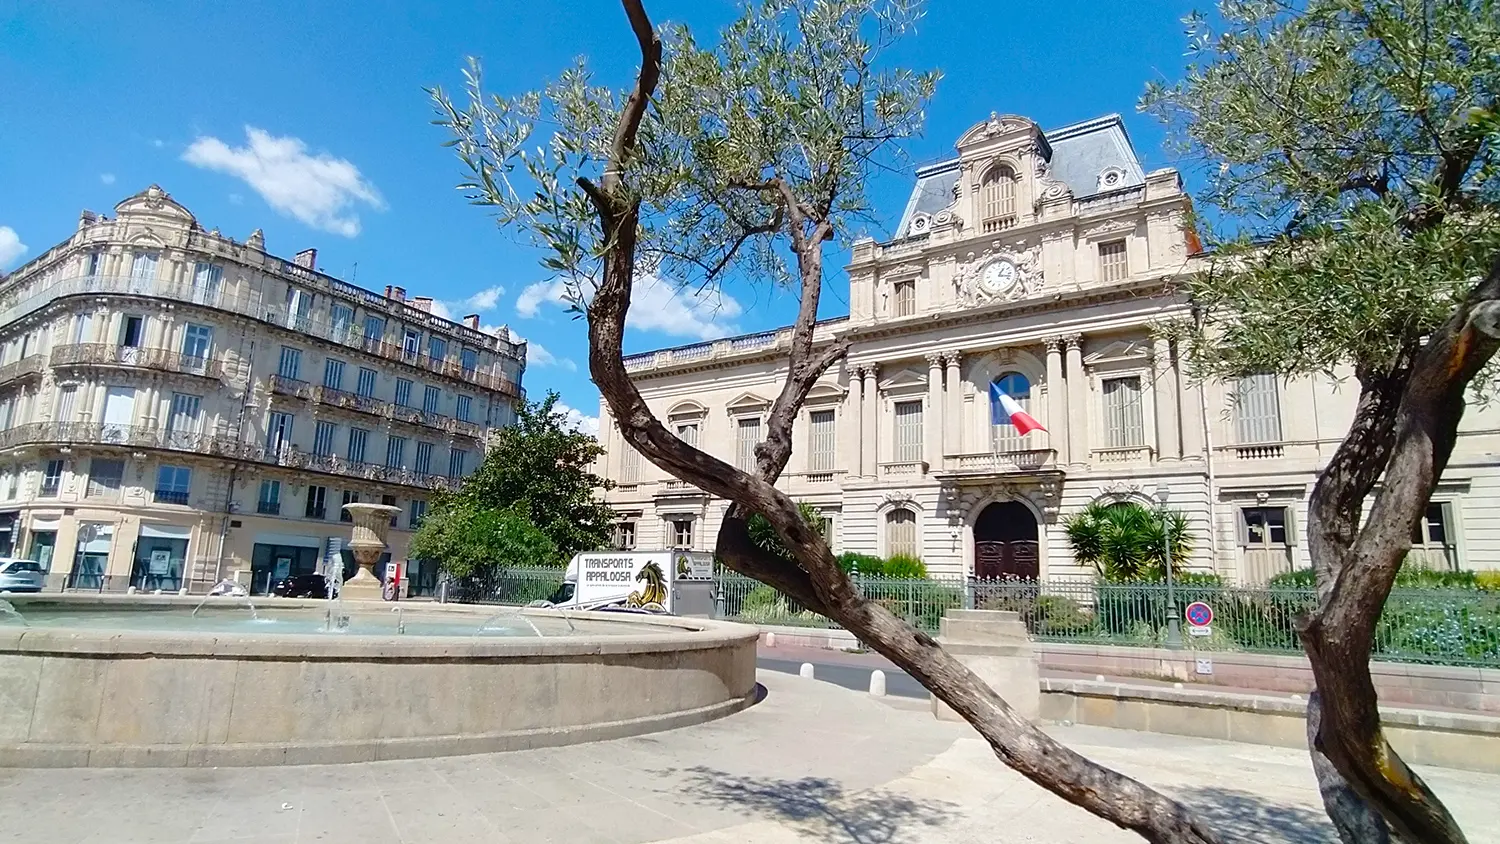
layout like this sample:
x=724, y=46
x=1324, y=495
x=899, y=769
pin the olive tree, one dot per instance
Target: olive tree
x=1349, y=148
x=746, y=161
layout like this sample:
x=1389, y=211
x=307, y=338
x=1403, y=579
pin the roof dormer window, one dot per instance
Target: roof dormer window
x=997, y=195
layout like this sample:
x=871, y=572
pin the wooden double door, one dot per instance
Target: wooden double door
x=1005, y=543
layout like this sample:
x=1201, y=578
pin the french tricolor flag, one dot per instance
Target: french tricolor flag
x=1005, y=410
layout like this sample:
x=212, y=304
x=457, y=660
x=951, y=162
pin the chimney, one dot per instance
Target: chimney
x=398, y=293
x=387, y=291
x=87, y=218
x=422, y=303
x=472, y=321
x=257, y=240
x=306, y=258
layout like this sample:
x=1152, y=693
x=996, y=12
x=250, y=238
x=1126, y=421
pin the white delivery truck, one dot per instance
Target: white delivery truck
x=679, y=582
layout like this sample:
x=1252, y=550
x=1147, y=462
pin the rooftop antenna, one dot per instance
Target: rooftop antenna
x=354, y=273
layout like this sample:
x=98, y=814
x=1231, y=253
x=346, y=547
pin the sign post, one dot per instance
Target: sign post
x=1200, y=618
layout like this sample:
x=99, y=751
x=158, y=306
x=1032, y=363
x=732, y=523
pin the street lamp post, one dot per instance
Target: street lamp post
x=1174, y=628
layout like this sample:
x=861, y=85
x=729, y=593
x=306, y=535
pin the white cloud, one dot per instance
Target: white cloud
x=320, y=190
x=11, y=246
x=655, y=305
x=481, y=302
x=236, y=199
x=579, y=420
x=538, y=355
x=158, y=143
x=107, y=178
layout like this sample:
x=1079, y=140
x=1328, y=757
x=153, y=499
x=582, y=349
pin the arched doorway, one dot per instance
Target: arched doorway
x=1005, y=543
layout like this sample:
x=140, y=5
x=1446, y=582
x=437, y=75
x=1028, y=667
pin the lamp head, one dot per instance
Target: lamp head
x=1163, y=492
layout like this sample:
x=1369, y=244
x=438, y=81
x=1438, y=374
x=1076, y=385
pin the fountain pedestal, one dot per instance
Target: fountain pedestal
x=372, y=523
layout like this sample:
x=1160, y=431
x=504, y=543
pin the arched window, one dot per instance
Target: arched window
x=997, y=195
x=901, y=533
x=1005, y=435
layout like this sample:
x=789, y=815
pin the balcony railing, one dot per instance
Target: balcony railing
x=284, y=386
x=904, y=469
x=142, y=437
x=999, y=224
x=1261, y=451
x=170, y=496
x=23, y=368
x=350, y=401
x=1123, y=454
x=161, y=360
x=1002, y=461
x=268, y=508
x=278, y=314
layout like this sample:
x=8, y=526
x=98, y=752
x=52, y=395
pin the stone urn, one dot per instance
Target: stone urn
x=372, y=523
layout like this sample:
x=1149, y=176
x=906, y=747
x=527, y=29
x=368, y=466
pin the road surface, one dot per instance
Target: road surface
x=852, y=671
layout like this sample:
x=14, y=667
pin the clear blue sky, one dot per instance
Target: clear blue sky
x=100, y=99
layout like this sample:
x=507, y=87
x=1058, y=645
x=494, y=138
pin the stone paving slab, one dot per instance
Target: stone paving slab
x=811, y=763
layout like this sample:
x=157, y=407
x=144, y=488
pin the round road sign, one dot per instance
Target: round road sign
x=1199, y=614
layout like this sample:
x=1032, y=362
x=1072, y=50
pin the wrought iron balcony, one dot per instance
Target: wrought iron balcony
x=132, y=357
x=24, y=368
x=350, y=401
x=284, y=386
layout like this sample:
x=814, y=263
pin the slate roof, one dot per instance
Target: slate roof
x=1080, y=152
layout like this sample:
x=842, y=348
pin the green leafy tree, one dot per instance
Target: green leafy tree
x=474, y=542
x=747, y=160
x=1125, y=541
x=1350, y=148
x=541, y=467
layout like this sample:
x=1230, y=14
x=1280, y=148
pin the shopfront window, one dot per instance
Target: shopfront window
x=160, y=558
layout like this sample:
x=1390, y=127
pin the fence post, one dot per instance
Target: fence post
x=969, y=593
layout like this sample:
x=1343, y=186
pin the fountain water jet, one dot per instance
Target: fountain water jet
x=7, y=608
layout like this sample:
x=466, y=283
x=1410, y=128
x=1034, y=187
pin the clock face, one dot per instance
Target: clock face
x=998, y=276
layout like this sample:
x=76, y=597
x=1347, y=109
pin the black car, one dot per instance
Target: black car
x=301, y=586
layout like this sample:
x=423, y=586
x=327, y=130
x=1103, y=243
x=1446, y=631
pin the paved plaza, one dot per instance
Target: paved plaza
x=812, y=762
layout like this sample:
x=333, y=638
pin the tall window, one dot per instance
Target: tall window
x=1257, y=409
x=374, y=331
x=682, y=533
x=143, y=266
x=390, y=501
x=317, y=502
x=341, y=318
x=172, y=484
x=298, y=309
x=206, y=281
x=131, y=331
x=1004, y=434
x=333, y=374
x=279, y=431
x=104, y=476
x=688, y=433
x=901, y=533
x=93, y=263
x=1434, y=544
x=291, y=363
x=403, y=392
x=430, y=397
x=821, y=455
x=469, y=360
x=908, y=431
x=65, y=398
x=904, y=298
x=365, y=386
x=997, y=194
x=410, y=342
x=458, y=463
x=746, y=437
x=197, y=342
x=437, y=347
x=81, y=324
x=395, y=452
x=1123, y=427
x=350, y=497
x=358, y=439
x=462, y=407
x=418, y=512
x=185, y=417
x=269, y=502
x=423, y=463
x=52, y=478
x=323, y=438
x=630, y=464
x=1114, y=264
x=625, y=536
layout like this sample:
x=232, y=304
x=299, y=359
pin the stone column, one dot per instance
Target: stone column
x=953, y=413
x=932, y=427
x=1192, y=419
x=1057, y=400
x=857, y=414
x=1078, y=399
x=870, y=453
x=1164, y=386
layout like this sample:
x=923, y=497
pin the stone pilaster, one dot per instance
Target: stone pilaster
x=1078, y=399
x=932, y=420
x=1164, y=386
x=1057, y=400
x=869, y=454
x=953, y=413
x=857, y=415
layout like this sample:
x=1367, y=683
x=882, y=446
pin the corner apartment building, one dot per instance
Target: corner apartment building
x=178, y=407
x=1034, y=263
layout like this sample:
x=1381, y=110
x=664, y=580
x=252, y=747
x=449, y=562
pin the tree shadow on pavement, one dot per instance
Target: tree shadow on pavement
x=1243, y=816
x=819, y=805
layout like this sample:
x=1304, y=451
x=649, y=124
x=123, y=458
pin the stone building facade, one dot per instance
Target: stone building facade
x=1036, y=263
x=177, y=406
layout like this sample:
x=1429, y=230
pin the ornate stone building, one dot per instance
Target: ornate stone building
x=1036, y=264
x=177, y=406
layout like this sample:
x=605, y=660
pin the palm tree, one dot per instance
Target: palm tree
x=1123, y=540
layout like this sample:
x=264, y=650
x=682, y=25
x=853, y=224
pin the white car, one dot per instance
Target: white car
x=21, y=575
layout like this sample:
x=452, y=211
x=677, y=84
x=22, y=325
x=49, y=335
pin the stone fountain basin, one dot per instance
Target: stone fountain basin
x=110, y=698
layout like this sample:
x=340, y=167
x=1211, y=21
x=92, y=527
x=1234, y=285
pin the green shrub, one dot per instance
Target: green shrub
x=759, y=599
x=1411, y=576
x=763, y=535
x=1487, y=580
x=1054, y=615
x=1437, y=628
x=1295, y=579
x=903, y=567
x=868, y=564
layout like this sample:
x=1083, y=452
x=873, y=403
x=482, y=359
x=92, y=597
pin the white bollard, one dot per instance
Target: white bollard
x=806, y=671
x=130, y=590
x=770, y=640
x=877, y=683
